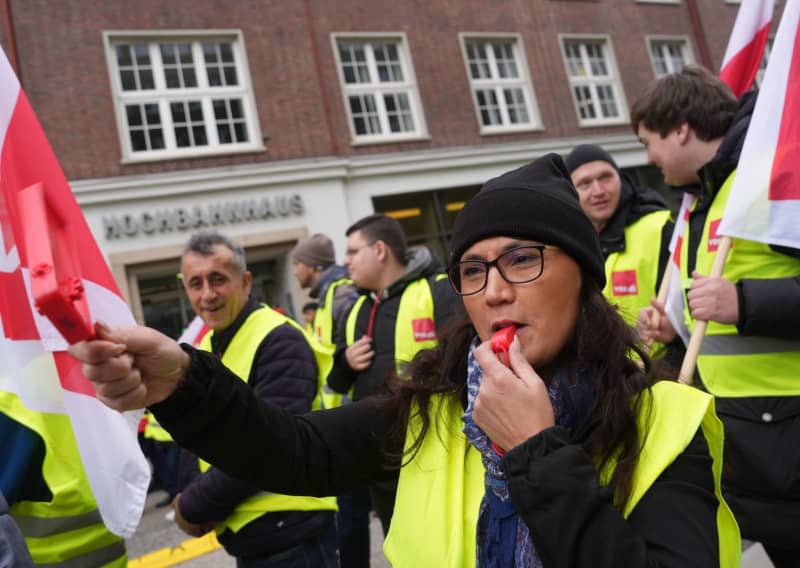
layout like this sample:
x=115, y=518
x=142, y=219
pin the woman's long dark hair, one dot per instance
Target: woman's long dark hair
x=602, y=347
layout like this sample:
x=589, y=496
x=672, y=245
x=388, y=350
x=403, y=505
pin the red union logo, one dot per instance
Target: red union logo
x=713, y=236
x=424, y=329
x=623, y=283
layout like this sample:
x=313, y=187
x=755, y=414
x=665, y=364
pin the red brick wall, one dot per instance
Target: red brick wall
x=61, y=51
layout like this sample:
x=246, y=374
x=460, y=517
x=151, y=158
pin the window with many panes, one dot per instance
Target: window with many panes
x=182, y=95
x=669, y=55
x=501, y=89
x=380, y=91
x=594, y=81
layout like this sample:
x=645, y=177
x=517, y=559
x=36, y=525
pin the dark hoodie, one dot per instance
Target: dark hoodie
x=421, y=264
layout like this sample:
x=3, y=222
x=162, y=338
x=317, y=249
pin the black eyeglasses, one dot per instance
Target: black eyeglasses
x=517, y=266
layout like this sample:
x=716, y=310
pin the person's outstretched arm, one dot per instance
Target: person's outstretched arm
x=214, y=414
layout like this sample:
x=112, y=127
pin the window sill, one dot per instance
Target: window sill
x=171, y=155
x=516, y=130
x=389, y=140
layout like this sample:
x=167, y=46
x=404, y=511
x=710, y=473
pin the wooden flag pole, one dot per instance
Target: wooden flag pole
x=663, y=291
x=686, y=375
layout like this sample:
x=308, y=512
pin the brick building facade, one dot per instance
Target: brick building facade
x=275, y=119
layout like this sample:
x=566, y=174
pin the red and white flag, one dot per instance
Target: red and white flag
x=746, y=45
x=674, y=304
x=35, y=366
x=764, y=203
x=194, y=332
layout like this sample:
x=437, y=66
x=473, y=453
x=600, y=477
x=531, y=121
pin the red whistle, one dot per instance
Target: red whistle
x=501, y=343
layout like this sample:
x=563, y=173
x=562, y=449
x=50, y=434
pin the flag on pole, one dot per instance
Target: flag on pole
x=764, y=203
x=674, y=304
x=746, y=44
x=35, y=365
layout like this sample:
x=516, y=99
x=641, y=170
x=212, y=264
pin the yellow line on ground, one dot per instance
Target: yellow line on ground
x=173, y=555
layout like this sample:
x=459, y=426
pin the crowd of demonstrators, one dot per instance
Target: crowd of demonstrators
x=43, y=481
x=693, y=129
x=572, y=456
x=403, y=304
x=273, y=358
x=635, y=228
x=314, y=266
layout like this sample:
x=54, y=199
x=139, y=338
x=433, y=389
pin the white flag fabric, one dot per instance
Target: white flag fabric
x=194, y=332
x=674, y=304
x=746, y=44
x=764, y=203
x=35, y=365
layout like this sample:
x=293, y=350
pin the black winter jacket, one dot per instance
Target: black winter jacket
x=371, y=381
x=285, y=374
x=552, y=481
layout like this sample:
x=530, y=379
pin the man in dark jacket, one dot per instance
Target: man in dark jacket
x=404, y=301
x=270, y=353
x=750, y=359
x=633, y=223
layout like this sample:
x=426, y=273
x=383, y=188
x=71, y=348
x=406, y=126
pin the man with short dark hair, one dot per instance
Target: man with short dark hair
x=274, y=356
x=404, y=301
x=634, y=227
x=693, y=129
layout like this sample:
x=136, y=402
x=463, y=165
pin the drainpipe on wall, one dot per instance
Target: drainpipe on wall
x=11, y=48
x=699, y=35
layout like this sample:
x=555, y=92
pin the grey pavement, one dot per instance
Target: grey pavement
x=155, y=532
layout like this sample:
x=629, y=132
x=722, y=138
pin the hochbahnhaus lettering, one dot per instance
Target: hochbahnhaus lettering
x=190, y=218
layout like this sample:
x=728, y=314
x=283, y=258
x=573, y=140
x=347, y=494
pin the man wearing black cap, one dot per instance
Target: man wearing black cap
x=634, y=227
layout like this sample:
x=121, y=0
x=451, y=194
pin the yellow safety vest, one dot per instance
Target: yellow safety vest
x=155, y=431
x=733, y=365
x=632, y=274
x=323, y=330
x=440, y=490
x=238, y=357
x=416, y=305
x=67, y=531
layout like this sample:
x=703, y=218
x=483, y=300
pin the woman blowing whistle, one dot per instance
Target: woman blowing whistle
x=601, y=465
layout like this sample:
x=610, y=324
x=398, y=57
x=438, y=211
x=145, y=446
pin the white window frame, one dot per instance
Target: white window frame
x=683, y=42
x=407, y=86
x=162, y=96
x=497, y=84
x=613, y=79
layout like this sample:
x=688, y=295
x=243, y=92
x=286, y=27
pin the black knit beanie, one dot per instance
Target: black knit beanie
x=536, y=202
x=586, y=153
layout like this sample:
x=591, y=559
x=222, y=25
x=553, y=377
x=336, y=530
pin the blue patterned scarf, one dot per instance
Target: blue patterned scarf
x=503, y=539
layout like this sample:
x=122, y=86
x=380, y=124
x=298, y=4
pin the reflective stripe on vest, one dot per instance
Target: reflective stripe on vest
x=632, y=274
x=440, y=490
x=238, y=357
x=415, y=327
x=323, y=331
x=67, y=531
x=731, y=365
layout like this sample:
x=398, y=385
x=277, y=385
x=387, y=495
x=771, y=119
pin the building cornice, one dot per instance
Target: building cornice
x=624, y=147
